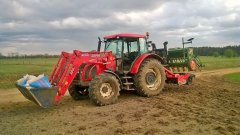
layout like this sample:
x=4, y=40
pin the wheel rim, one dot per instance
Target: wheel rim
x=152, y=80
x=106, y=90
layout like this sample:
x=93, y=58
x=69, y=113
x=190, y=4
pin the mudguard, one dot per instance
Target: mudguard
x=137, y=63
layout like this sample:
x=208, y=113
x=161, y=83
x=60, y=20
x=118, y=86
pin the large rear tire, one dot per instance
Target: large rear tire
x=77, y=92
x=150, y=79
x=192, y=64
x=104, y=89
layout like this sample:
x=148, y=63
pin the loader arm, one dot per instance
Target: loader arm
x=63, y=73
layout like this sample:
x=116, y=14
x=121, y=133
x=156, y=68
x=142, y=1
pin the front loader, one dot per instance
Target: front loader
x=126, y=62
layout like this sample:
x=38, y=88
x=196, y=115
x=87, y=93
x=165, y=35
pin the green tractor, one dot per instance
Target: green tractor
x=180, y=59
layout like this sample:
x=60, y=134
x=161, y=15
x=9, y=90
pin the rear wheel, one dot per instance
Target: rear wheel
x=104, y=89
x=192, y=65
x=77, y=92
x=190, y=80
x=150, y=79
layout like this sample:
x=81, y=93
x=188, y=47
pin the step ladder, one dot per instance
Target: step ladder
x=128, y=82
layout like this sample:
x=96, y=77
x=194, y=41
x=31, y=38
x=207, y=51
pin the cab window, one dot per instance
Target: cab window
x=143, y=46
x=115, y=46
x=133, y=46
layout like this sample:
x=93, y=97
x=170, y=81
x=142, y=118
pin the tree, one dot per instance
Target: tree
x=235, y=54
x=229, y=53
x=216, y=54
x=1, y=55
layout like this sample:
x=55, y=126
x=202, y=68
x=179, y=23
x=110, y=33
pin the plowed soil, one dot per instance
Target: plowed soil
x=210, y=106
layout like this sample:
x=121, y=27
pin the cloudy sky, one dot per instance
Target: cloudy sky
x=51, y=26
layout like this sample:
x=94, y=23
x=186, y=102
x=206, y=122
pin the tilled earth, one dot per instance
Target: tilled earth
x=210, y=106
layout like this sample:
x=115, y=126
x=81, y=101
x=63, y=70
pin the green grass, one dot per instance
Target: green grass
x=219, y=62
x=234, y=77
x=13, y=69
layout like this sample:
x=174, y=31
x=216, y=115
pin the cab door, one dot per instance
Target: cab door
x=115, y=45
x=131, y=51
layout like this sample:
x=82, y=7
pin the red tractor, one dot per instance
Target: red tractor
x=126, y=62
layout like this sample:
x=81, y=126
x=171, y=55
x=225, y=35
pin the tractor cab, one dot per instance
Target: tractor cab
x=126, y=48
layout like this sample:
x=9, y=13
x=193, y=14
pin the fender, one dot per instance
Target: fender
x=119, y=79
x=137, y=63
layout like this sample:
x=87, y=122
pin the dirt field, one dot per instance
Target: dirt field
x=209, y=106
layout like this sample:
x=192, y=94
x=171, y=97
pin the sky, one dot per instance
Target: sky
x=52, y=26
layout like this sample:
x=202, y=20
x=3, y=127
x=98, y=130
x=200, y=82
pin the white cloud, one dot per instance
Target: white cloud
x=232, y=4
x=133, y=18
x=77, y=22
x=8, y=25
x=71, y=22
x=11, y=25
x=8, y=49
x=19, y=9
x=56, y=24
x=46, y=23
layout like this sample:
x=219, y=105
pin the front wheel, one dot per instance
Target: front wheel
x=104, y=89
x=150, y=79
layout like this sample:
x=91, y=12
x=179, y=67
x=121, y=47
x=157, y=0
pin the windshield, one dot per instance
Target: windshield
x=137, y=45
x=115, y=46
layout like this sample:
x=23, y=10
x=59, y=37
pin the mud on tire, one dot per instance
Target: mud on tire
x=104, y=89
x=77, y=92
x=150, y=79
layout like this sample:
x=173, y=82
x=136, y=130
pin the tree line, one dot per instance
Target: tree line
x=228, y=51
x=17, y=55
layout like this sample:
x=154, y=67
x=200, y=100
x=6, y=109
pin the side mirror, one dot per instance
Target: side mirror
x=149, y=42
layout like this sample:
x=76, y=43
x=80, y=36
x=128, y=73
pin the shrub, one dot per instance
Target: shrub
x=229, y=53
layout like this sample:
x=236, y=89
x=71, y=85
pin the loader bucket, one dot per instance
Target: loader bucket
x=43, y=97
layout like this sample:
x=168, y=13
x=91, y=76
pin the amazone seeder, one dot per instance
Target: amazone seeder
x=126, y=62
x=180, y=59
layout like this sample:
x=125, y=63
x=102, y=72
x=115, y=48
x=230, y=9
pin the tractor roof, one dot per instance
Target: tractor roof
x=125, y=35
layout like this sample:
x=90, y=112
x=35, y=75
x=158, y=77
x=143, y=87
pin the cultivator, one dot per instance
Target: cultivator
x=102, y=75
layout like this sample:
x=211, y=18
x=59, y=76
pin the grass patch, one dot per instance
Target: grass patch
x=13, y=69
x=233, y=77
x=219, y=62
